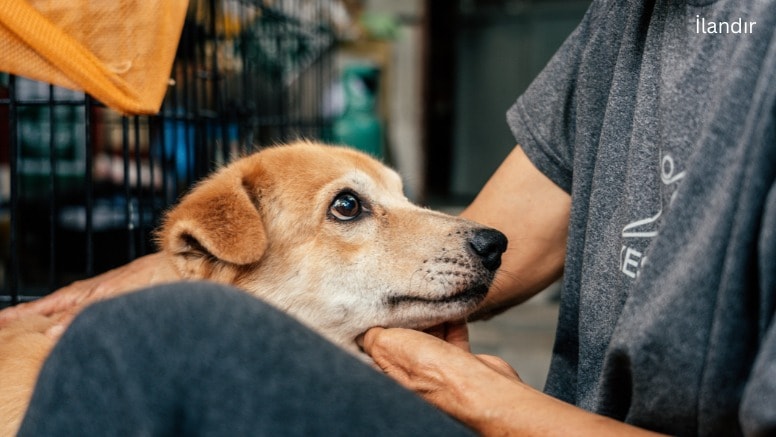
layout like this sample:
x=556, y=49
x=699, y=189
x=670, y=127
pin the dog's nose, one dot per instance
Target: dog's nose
x=489, y=244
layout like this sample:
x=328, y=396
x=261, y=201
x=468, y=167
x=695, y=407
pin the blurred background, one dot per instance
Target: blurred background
x=422, y=84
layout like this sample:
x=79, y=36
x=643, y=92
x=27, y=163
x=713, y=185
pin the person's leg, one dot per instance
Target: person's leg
x=203, y=359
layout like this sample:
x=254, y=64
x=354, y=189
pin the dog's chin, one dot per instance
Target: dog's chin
x=421, y=312
x=416, y=312
x=472, y=295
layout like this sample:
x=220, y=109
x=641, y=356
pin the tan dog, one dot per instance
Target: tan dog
x=327, y=235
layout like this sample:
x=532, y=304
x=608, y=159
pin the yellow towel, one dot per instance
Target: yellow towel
x=118, y=51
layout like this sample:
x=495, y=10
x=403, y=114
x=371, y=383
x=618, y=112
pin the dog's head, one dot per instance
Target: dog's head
x=326, y=234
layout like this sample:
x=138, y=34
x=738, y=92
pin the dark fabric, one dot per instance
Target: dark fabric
x=664, y=135
x=202, y=359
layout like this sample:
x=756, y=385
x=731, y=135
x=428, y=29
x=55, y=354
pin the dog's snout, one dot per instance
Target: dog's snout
x=488, y=244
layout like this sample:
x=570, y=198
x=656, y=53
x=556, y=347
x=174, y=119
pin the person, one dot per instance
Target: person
x=659, y=122
x=645, y=176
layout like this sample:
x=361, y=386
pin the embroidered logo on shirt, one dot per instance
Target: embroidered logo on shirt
x=631, y=259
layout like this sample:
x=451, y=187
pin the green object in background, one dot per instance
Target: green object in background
x=380, y=26
x=359, y=126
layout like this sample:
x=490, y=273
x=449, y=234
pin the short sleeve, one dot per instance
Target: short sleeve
x=544, y=119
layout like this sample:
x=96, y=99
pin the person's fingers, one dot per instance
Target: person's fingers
x=381, y=345
x=62, y=300
x=68, y=300
x=367, y=340
x=10, y=314
x=457, y=334
x=56, y=331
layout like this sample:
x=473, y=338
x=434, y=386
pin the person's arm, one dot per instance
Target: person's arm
x=481, y=391
x=533, y=212
x=63, y=304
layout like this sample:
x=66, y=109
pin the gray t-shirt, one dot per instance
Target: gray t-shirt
x=664, y=134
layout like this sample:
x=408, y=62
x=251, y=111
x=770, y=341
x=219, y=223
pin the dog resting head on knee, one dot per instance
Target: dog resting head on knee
x=326, y=234
x=321, y=232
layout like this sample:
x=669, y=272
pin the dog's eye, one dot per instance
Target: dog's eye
x=345, y=207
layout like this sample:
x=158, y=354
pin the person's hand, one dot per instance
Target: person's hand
x=457, y=334
x=481, y=391
x=443, y=372
x=65, y=303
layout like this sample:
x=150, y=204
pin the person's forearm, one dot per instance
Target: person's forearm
x=481, y=391
x=533, y=212
x=523, y=410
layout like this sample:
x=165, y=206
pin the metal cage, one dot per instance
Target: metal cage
x=82, y=188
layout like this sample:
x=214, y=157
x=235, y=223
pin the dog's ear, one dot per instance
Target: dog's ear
x=218, y=220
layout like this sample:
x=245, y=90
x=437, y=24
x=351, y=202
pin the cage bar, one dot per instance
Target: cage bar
x=86, y=186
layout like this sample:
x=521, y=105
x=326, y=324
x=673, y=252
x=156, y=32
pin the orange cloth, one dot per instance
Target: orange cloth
x=118, y=51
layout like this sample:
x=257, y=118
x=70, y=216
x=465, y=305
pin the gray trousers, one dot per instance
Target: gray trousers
x=203, y=359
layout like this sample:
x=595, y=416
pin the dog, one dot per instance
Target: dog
x=324, y=233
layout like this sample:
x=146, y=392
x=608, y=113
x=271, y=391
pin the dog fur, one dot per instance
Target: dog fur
x=324, y=233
